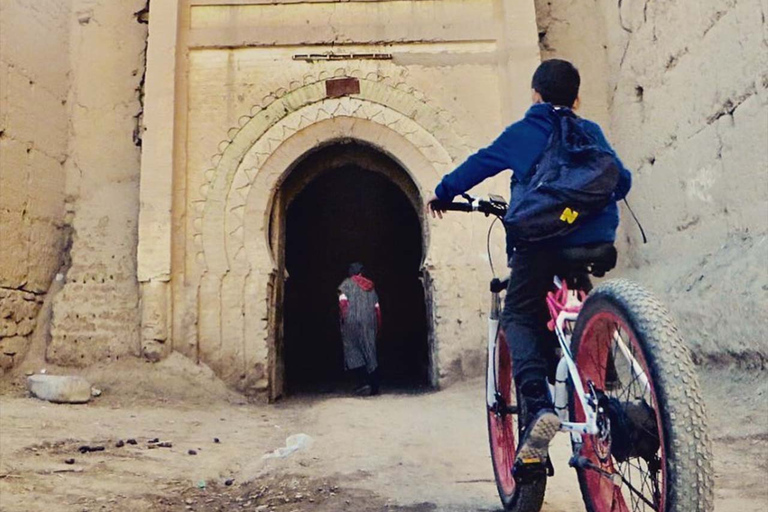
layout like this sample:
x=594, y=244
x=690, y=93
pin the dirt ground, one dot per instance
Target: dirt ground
x=396, y=452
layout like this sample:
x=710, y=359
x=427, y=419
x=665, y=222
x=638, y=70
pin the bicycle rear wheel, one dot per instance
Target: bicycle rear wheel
x=653, y=450
x=502, y=430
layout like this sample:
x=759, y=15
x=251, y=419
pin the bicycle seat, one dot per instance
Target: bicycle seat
x=595, y=259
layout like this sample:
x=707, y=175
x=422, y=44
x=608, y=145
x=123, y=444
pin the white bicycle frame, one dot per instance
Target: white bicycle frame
x=566, y=367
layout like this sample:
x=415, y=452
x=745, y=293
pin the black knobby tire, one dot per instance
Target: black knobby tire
x=684, y=448
x=503, y=430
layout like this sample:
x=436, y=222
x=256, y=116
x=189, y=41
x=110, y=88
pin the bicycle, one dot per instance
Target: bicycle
x=625, y=390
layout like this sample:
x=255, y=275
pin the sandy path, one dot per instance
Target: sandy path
x=420, y=452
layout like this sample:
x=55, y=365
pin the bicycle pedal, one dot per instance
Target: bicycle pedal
x=529, y=471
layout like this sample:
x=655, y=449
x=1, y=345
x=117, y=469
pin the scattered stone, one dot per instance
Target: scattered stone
x=165, y=444
x=66, y=389
x=69, y=461
x=229, y=481
x=86, y=449
x=120, y=444
x=155, y=440
x=95, y=392
x=192, y=452
x=29, y=373
x=216, y=440
x=131, y=441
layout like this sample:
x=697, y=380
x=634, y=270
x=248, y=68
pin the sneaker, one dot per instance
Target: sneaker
x=364, y=390
x=534, y=446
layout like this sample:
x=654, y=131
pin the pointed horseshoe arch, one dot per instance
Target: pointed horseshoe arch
x=241, y=279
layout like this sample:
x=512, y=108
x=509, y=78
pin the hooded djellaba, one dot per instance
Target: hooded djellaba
x=360, y=320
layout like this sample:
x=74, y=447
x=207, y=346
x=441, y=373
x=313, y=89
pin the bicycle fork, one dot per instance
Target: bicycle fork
x=493, y=333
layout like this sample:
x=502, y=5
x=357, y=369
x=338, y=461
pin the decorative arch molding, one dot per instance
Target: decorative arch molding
x=238, y=332
x=252, y=165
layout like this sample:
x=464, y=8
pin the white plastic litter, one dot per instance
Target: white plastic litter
x=293, y=444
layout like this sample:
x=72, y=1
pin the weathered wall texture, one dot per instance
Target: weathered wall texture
x=246, y=110
x=681, y=88
x=34, y=85
x=687, y=98
x=95, y=317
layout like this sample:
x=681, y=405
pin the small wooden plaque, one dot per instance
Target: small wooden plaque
x=338, y=87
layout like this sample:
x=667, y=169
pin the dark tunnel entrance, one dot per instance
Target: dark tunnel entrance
x=349, y=202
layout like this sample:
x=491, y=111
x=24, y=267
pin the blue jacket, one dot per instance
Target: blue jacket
x=518, y=148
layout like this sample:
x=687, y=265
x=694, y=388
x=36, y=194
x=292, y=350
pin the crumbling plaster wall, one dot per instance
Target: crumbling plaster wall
x=34, y=86
x=685, y=89
x=95, y=316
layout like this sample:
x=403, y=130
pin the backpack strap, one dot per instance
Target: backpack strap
x=642, y=231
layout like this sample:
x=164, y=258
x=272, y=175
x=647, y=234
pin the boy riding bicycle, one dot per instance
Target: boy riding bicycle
x=520, y=148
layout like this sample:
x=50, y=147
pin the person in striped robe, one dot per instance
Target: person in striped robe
x=360, y=322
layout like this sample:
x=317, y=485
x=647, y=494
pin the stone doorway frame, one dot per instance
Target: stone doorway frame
x=288, y=190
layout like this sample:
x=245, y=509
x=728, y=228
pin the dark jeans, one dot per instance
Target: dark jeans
x=525, y=316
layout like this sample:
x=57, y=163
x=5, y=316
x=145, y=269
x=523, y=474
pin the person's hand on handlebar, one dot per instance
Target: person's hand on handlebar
x=431, y=207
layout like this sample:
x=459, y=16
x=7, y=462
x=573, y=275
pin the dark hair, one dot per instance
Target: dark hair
x=557, y=81
x=356, y=268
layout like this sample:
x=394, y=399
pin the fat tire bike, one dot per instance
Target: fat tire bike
x=625, y=390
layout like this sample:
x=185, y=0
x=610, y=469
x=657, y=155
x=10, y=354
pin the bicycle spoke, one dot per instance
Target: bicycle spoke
x=637, y=493
x=642, y=485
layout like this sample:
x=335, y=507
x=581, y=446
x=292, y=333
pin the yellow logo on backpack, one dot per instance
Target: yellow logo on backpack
x=569, y=216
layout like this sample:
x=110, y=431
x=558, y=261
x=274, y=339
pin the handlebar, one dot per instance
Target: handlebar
x=494, y=205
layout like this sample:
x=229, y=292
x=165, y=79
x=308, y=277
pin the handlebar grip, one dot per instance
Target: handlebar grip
x=451, y=206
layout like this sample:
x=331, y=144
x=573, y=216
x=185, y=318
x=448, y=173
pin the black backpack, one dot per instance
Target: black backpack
x=573, y=179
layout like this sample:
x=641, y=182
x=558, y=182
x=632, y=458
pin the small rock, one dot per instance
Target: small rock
x=69, y=461
x=155, y=440
x=192, y=452
x=189, y=501
x=229, y=481
x=164, y=444
x=95, y=392
x=131, y=441
x=29, y=373
x=86, y=449
x=120, y=444
x=216, y=440
x=67, y=389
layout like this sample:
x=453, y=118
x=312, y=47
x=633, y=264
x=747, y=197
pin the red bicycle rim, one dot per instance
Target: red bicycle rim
x=641, y=488
x=501, y=427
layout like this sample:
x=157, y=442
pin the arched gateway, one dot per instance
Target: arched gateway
x=251, y=134
x=243, y=233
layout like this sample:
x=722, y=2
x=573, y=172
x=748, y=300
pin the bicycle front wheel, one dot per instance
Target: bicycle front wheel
x=653, y=451
x=502, y=431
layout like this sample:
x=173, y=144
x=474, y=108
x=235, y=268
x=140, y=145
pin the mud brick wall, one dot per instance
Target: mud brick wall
x=34, y=87
x=685, y=96
x=95, y=316
x=70, y=85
